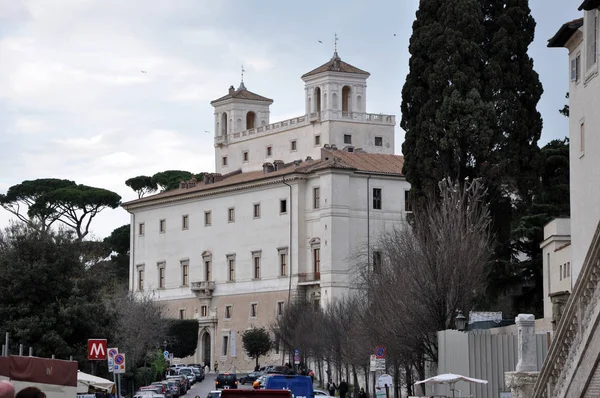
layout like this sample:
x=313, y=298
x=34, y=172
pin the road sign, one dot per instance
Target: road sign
x=384, y=380
x=166, y=354
x=97, y=349
x=380, y=352
x=377, y=363
x=119, y=363
x=112, y=352
x=171, y=356
x=111, y=358
x=297, y=356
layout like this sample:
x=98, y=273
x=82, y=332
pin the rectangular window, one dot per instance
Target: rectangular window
x=253, y=310
x=347, y=138
x=293, y=145
x=231, y=269
x=185, y=276
x=280, y=306
x=283, y=206
x=407, y=201
x=568, y=269
x=225, y=346
x=228, y=311
x=256, y=211
x=581, y=139
x=141, y=229
x=162, y=226
x=317, y=260
x=576, y=68
x=207, y=270
x=378, y=141
x=185, y=222
x=231, y=214
x=282, y=264
x=591, y=23
x=269, y=151
x=224, y=161
x=565, y=271
x=256, y=262
x=245, y=156
x=207, y=218
x=560, y=273
x=377, y=261
x=317, y=140
x=161, y=275
x=140, y=278
x=377, y=198
x=316, y=198
x=204, y=311
x=181, y=314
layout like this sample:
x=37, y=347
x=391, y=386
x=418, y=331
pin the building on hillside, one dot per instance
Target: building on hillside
x=572, y=368
x=556, y=252
x=289, y=208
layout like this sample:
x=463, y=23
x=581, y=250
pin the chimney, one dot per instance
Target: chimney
x=278, y=165
x=209, y=178
x=267, y=167
x=217, y=177
x=231, y=90
x=309, y=159
x=326, y=146
x=333, y=147
x=182, y=185
x=349, y=148
x=297, y=162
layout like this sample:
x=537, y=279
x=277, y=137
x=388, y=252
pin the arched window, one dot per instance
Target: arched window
x=346, y=99
x=250, y=117
x=334, y=101
x=224, y=124
x=317, y=99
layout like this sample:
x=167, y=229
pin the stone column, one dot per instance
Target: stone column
x=523, y=380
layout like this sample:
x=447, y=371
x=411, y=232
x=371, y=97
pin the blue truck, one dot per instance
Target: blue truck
x=300, y=386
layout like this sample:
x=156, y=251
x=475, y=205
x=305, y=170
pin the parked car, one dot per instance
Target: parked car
x=153, y=388
x=175, y=388
x=147, y=395
x=214, y=394
x=199, y=372
x=189, y=373
x=226, y=381
x=166, y=390
x=183, y=383
x=250, y=377
x=320, y=393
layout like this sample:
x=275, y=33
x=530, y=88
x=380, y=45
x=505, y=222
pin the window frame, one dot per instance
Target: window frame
x=408, y=205
x=245, y=156
x=380, y=139
x=162, y=274
x=185, y=272
x=141, y=229
x=203, y=311
x=253, y=314
x=207, y=218
x=269, y=151
x=231, y=268
x=228, y=314
x=207, y=263
x=293, y=145
x=231, y=214
x=316, y=198
x=347, y=139
x=141, y=275
x=185, y=222
x=256, y=264
x=377, y=200
x=256, y=210
x=224, y=161
x=316, y=259
x=181, y=313
x=282, y=254
x=317, y=140
x=591, y=32
x=279, y=308
x=162, y=225
x=225, y=345
x=283, y=205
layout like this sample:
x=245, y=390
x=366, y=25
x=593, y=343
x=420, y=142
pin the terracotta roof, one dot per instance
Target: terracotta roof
x=242, y=93
x=335, y=64
x=589, y=5
x=330, y=159
x=565, y=32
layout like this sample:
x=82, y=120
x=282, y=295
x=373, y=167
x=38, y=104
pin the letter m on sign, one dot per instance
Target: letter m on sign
x=97, y=349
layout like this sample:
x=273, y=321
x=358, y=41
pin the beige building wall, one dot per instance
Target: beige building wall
x=556, y=249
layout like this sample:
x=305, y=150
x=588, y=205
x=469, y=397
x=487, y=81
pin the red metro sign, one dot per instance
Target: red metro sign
x=97, y=349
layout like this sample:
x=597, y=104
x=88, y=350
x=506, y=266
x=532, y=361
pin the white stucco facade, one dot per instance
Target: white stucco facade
x=584, y=132
x=556, y=252
x=232, y=250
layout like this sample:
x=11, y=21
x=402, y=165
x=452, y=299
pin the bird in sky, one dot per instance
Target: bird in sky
x=320, y=42
x=144, y=71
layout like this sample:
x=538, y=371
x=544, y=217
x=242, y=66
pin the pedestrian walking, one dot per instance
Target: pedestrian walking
x=362, y=393
x=331, y=388
x=216, y=367
x=343, y=389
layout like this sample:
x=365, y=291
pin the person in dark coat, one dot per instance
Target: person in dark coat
x=331, y=388
x=362, y=393
x=343, y=389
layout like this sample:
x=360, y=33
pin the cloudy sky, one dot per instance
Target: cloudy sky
x=74, y=103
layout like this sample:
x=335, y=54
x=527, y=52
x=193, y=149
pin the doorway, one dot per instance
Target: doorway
x=206, y=349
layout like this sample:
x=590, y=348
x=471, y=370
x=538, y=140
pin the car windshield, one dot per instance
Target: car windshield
x=185, y=371
x=227, y=377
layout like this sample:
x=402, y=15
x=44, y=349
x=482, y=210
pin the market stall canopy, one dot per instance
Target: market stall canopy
x=85, y=381
x=450, y=378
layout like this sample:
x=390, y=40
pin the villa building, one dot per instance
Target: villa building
x=285, y=215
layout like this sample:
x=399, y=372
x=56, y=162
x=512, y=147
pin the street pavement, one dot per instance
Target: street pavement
x=207, y=385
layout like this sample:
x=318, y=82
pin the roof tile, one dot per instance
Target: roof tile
x=335, y=64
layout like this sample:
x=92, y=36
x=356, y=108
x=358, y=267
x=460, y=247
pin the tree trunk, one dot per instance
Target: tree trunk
x=355, y=381
x=366, y=370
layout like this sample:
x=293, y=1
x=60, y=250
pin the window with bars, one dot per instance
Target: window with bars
x=256, y=262
x=317, y=260
x=185, y=276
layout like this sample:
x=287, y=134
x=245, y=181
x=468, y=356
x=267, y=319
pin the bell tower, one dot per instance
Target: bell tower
x=336, y=86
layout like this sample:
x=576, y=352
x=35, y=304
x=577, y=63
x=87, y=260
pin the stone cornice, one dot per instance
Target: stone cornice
x=576, y=327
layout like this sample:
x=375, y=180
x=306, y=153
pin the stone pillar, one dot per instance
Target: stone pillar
x=559, y=301
x=523, y=380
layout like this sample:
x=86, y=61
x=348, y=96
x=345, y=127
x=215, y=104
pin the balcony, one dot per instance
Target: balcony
x=203, y=289
x=220, y=140
x=309, y=278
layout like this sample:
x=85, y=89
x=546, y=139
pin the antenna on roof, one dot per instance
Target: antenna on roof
x=242, y=87
x=335, y=40
x=243, y=73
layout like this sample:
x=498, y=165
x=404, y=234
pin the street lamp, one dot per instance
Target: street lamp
x=165, y=345
x=461, y=322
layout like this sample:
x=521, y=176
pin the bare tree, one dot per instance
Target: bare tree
x=421, y=275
